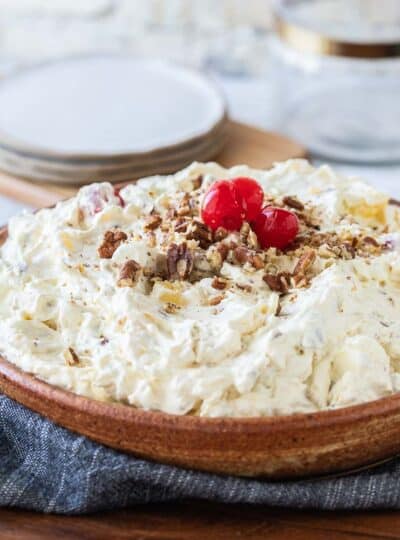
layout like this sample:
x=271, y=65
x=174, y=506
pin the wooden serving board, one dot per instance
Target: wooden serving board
x=245, y=145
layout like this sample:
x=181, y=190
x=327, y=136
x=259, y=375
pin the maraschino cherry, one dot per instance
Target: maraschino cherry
x=229, y=202
x=98, y=201
x=251, y=196
x=118, y=194
x=276, y=227
x=221, y=207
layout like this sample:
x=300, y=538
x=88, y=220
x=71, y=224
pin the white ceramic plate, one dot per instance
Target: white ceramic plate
x=106, y=105
x=74, y=175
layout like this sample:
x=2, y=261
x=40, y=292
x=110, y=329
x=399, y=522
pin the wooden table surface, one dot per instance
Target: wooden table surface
x=199, y=520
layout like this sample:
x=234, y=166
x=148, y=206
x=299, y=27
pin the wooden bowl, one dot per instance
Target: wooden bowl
x=284, y=446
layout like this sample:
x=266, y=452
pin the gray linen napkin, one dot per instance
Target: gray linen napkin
x=47, y=468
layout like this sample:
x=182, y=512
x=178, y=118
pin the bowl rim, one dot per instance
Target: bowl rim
x=30, y=384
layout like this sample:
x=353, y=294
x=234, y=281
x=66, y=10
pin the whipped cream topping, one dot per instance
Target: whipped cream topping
x=141, y=304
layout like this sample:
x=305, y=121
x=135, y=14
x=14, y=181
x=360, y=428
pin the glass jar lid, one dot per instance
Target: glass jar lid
x=353, y=28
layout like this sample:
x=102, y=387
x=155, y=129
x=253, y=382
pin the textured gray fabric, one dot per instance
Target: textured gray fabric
x=47, y=468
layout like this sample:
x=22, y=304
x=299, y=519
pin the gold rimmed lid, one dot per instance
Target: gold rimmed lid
x=301, y=35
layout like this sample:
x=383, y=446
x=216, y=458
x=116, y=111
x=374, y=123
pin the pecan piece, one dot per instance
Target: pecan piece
x=307, y=220
x=111, y=241
x=186, y=205
x=160, y=267
x=218, y=283
x=179, y=261
x=201, y=233
x=181, y=225
x=197, y=182
x=171, y=213
x=71, y=358
x=171, y=308
x=129, y=273
x=215, y=258
x=371, y=241
x=223, y=250
x=152, y=222
x=244, y=231
x=304, y=263
x=278, y=283
x=244, y=287
x=243, y=255
x=292, y=202
x=248, y=236
x=215, y=300
x=151, y=239
x=256, y=261
x=349, y=251
x=220, y=234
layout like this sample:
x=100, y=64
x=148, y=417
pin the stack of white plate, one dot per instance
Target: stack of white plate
x=107, y=117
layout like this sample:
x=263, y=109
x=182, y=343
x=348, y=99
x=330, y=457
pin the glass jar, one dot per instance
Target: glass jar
x=338, y=69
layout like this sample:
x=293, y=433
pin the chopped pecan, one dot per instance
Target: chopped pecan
x=179, y=261
x=197, y=182
x=71, y=358
x=248, y=236
x=186, y=205
x=111, y=241
x=129, y=273
x=152, y=222
x=298, y=281
x=181, y=225
x=244, y=231
x=304, y=263
x=371, y=241
x=292, y=202
x=218, y=283
x=215, y=258
x=215, y=300
x=348, y=251
x=244, y=287
x=223, y=250
x=183, y=210
x=307, y=220
x=200, y=232
x=252, y=240
x=202, y=266
x=220, y=234
x=171, y=308
x=256, y=261
x=279, y=282
x=171, y=213
x=387, y=245
x=151, y=239
x=160, y=267
x=243, y=255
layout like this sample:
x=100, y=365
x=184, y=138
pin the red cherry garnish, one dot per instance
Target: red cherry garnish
x=251, y=196
x=97, y=200
x=117, y=194
x=221, y=207
x=276, y=227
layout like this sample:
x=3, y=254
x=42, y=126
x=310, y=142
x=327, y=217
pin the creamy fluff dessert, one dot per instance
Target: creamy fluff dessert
x=130, y=297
